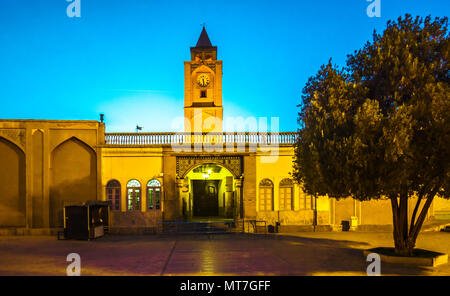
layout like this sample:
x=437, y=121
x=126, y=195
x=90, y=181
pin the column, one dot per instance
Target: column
x=28, y=178
x=187, y=197
x=46, y=178
x=144, y=197
x=179, y=202
x=239, y=207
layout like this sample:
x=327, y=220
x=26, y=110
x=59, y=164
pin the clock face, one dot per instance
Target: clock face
x=203, y=80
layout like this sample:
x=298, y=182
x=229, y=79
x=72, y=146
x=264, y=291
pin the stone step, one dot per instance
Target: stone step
x=195, y=228
x=20, y=231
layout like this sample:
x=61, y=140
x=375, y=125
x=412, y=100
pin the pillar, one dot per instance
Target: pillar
x=179, y=203
x=239, y=206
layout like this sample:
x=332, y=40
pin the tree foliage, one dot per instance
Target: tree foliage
x=380, y=126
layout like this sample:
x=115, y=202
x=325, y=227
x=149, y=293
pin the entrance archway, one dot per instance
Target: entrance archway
x=73, y=177
x=12, y=185
x=209, y=193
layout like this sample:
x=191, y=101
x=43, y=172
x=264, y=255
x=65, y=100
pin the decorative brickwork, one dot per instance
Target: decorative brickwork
x=187, y=163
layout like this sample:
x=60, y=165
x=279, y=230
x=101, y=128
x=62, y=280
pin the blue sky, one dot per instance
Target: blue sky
x=125, y=58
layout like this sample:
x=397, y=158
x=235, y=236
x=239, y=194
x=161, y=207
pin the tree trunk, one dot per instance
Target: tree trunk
x=405, y=240
x=418, y=225
x=403, y=245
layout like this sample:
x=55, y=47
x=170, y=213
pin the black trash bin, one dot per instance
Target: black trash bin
x=87, y=220
x=345, y=225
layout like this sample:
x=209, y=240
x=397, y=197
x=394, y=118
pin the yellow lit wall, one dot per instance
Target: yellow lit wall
x=125, y=164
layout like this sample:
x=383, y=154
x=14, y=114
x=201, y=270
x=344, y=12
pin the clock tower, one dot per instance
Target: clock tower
x=203, y=110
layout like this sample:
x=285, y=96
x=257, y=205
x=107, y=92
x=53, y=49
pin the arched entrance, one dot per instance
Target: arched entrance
x=209, y=191
x=12, y=185
x=73, y=177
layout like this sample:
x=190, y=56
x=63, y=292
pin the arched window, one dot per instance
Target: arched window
x=154, y=195
x=133, y=195
x=286, y=195
x=266, y=195
x=113, y=194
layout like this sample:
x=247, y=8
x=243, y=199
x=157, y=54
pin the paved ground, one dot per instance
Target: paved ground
x=332, y=253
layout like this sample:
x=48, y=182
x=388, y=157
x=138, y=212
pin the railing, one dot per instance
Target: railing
x=213, y=227
x=193, y=138
x=206, y=227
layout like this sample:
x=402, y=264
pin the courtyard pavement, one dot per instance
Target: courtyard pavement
x=320, y=253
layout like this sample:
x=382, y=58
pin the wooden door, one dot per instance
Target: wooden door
x=206, y=198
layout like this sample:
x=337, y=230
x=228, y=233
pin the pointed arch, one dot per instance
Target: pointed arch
x=12, y=141
x=74, y=139
x=73, y=176
x=12, y=184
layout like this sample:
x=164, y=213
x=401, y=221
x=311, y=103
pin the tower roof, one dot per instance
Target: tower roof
x=203, y=40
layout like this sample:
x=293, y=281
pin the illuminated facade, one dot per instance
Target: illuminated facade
x=154, y=177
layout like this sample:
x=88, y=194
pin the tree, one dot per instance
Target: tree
x=379, y=128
